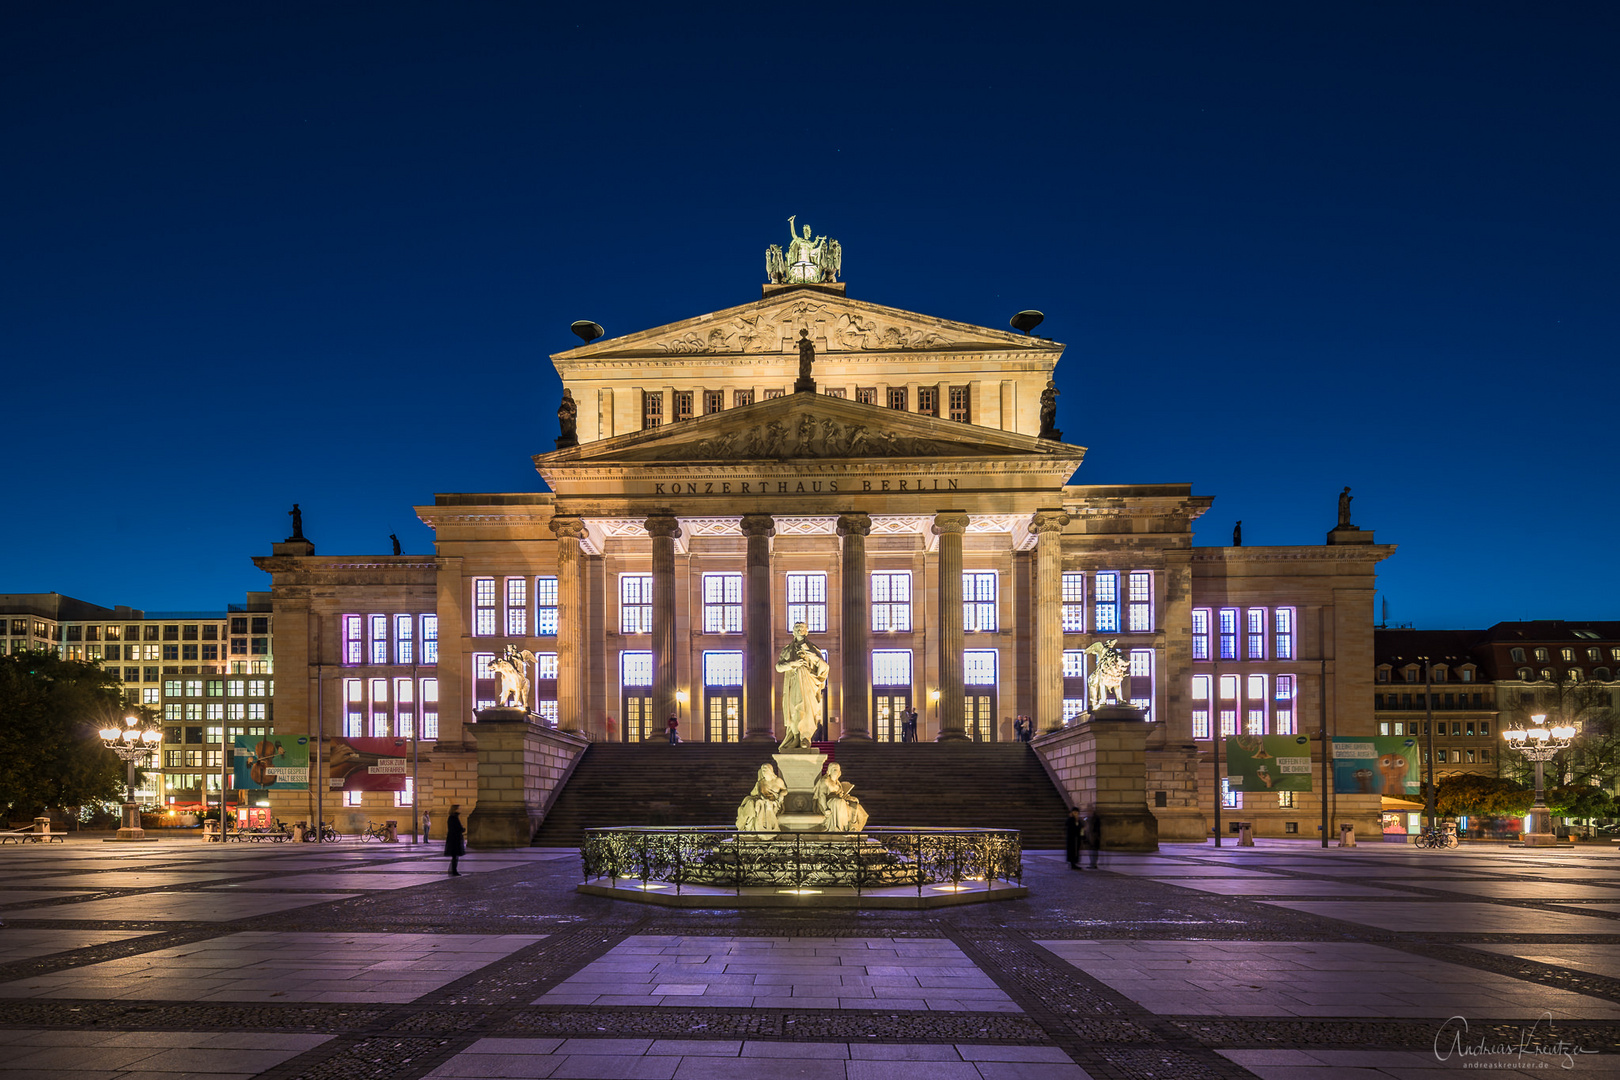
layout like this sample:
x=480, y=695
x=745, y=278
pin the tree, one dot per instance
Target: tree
x=1580, y=801
x=1491, y=796
x=50, y=754
x=1589, y=707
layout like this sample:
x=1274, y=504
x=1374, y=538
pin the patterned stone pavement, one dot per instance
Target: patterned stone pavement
x=178, y=959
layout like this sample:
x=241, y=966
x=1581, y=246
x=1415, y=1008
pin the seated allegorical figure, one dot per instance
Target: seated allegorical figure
x=841, y=811
x=759, y=809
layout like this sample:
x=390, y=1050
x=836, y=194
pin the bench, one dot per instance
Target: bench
x=30, y=836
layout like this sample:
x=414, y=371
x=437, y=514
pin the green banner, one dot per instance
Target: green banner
x=1268, y=762
x=1376, y=765
x=261, y=762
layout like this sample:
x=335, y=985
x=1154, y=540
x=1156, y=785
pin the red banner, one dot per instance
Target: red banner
x=366, y=764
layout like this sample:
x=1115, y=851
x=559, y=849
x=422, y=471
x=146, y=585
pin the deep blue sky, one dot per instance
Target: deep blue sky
x=264, y=253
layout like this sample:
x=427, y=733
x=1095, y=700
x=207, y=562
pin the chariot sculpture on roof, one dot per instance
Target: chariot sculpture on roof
x=807, y=260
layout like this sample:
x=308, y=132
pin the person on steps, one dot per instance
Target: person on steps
x=455, y=842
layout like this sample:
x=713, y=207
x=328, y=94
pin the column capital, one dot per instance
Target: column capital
x=571, y=527
x=947, y=522
x=758, y=525
x=663, y=525
x=1048, y=521
x=854, y=524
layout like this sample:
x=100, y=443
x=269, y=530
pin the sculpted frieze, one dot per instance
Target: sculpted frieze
x=809, y=436
x=843, y=330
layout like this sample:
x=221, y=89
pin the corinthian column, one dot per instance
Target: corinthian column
x=663, y=529
x=570, y=622
x=759, y=528
x=1047, y=525
x=855, y=638
x=949, y=525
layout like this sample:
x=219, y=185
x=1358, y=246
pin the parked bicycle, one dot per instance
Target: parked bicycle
x=1436, y=838
x=329, y=835
x=374, y=831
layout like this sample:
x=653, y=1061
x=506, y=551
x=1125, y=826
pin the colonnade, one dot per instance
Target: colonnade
x=950, y=526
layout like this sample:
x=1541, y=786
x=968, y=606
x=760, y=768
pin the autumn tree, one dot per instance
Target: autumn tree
x=50, y=754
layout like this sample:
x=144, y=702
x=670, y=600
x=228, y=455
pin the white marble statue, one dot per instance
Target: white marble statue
x=1108, y=671
x=511, y=669
x=842, y=812
x=804, y=670
x=759, y=809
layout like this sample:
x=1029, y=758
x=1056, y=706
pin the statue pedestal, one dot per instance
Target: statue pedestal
x=1350, y=534
x=800, y=770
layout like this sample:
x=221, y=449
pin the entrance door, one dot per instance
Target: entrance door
x=979, y=716
x=723, y=713
x=638, y=719
x=887, y=705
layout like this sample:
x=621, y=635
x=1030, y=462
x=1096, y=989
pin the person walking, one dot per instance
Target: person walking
x=673, y=730
x=1074, y=831
x=455, y=839
x=1094, y=835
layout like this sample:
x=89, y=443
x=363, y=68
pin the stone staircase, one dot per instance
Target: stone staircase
x=941, y=785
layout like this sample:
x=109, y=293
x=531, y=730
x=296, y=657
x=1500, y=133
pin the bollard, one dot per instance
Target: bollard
x=1245, y=834
x=42, y=825
x=390, y=832
x=1347, y=836
x=298, y=832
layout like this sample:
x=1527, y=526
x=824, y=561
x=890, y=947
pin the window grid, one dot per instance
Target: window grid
x=1283, y=708
x=1074, y=603
x=960, y=404
x=1283, y=626
x=1139, y=593
x=404, y=638
x=713, y=401
x=1105, y=603
x=352, y=644
x=1257, y=633
x=742, y=397
x=379, y=639
x=897, y=398
x=1228, y=704
x=430, y=639
x=979, y=602
x=891, y=601
x=1229, y=620
x=652, y=408
x=722, y=669
x=722, y=604
x=483, y=607
x=1200, y=706
x=1256, y=722
x=928, y=400
x=635, y=669
x=807, y=601
x=979, y=667
x=866, y=395
x=683, y=405
x=891, y=667
x=517, y=607
x=1142, y=681
x=545, y=606
x=430, y=708
x=635, y=604
x=1200, y=634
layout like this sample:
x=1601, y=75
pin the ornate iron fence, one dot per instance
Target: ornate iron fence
x=876, y=858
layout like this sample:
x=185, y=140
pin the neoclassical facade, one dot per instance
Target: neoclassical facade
x=901, y=502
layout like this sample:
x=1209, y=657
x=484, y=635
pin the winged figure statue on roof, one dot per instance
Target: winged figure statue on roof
x=807, y=260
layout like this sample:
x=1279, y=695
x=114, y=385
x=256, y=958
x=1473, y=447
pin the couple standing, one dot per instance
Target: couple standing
x=1080, y=833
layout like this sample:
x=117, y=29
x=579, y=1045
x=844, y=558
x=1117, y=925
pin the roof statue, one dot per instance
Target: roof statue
x=806, y=261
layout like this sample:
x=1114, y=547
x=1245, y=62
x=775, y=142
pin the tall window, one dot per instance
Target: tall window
x=483, y=681
x=405, y=638
x=379, y=639
x=545, y=606
x=722, y=604
x=683, y=405
x=1283, y=625
x=1105, y=603
x=353, y=644
x=960, y=404
x=545, y=686
x=635, y=669
x=635, y=604
x=1229, y=704
x=379, y=708
x=891, y=601
x=1231, y=800
x=807, y=601
x=407, y=797
x=1229, y=618
x=652, y=408
x=430, y=639
x=430, y=708
x=1257, y=633
x=928, y=400
x=713, y=401
x=1200, y=706
x=354, y=706
x=517, y=607
x=979, y=601
x=1142, y=681
x=897, y=398
x=1074, y=683
x=1283, y=707
x=484, y=607
x=1139, y=594
x=1074, y=603
x=404, y=709
x=1200, y=634
x=1257, y=706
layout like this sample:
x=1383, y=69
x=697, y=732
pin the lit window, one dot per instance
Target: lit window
x=484, y=607
x=404, y=638
x=407, y=797
x=517, y=607
x=1074, y=682
x=256, y=687
x=1231, y=800
x=171, y=688
x=1074, y=603
x=379, y=639
x=1229, y=619
x=1283, y=712
x=1139, y=594
x=149, y=695
x=722, y=604
x=1283, y=625
x=1142, y=681
x=1200, y=634
x=1567, y=655
x=1200, y=706
x=405, y=704
x=430, y=708
x=353, y=711
x=1105, y=600
x=1285, y=799
x=430, y=639
x=891, y=601
x=807, y=601
x=1541, y=655
x=481, y=662
x=979, y=602
x=236, y=687
x=194, y=688
x=351, y=798
x=722, y=669
x=1257, y=706
x=891, y=667
x=979, y=667
x=1257, y=633
x=545, y=606
x=635, y=604
x=352, y=647
x=635, y=669
x=1228, y=704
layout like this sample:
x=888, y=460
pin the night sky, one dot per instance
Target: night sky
x=264, y=253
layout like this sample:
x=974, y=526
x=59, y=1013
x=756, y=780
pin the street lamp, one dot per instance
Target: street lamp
x=1540, y=743
x=133, y=743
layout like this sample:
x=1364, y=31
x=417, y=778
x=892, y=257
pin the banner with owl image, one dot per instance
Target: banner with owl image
x=1376, y=765
x=1268, y=762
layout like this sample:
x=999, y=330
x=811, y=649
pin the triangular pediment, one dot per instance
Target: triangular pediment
x=838, y=325
x=809, y=427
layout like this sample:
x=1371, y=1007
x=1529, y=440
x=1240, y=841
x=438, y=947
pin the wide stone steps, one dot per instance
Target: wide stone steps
x=936, y=785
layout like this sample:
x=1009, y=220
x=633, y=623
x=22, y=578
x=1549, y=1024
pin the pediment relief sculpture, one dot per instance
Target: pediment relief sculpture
x=804, y=436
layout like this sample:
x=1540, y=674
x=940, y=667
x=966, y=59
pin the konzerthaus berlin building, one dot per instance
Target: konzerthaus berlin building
x=907, y=509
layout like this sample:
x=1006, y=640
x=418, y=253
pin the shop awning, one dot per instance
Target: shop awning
x=1399, y=805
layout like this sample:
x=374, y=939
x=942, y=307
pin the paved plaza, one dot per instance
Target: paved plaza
x=1283, y=961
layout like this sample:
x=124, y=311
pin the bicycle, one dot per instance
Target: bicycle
x=374, y=831
x=1435, y=839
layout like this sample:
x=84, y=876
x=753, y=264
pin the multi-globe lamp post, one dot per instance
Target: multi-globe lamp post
x=1540, y=743
x=133, y=742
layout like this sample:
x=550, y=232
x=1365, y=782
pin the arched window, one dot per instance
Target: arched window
x=1525, y=674
x=1601, y=674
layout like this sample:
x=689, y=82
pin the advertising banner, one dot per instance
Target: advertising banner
x=262, y=762
x=1268, y=762
x=367, y=764
x=1376, y=765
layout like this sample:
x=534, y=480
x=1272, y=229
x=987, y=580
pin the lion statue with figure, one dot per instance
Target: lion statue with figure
x=511, y=669
x=1109, y=670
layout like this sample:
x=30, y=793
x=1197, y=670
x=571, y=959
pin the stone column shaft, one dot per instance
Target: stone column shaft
x=663, y=529
x=570, y=623
x=761, y=657
x=949, y=526
x=1048, y=527
x=855, y=638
